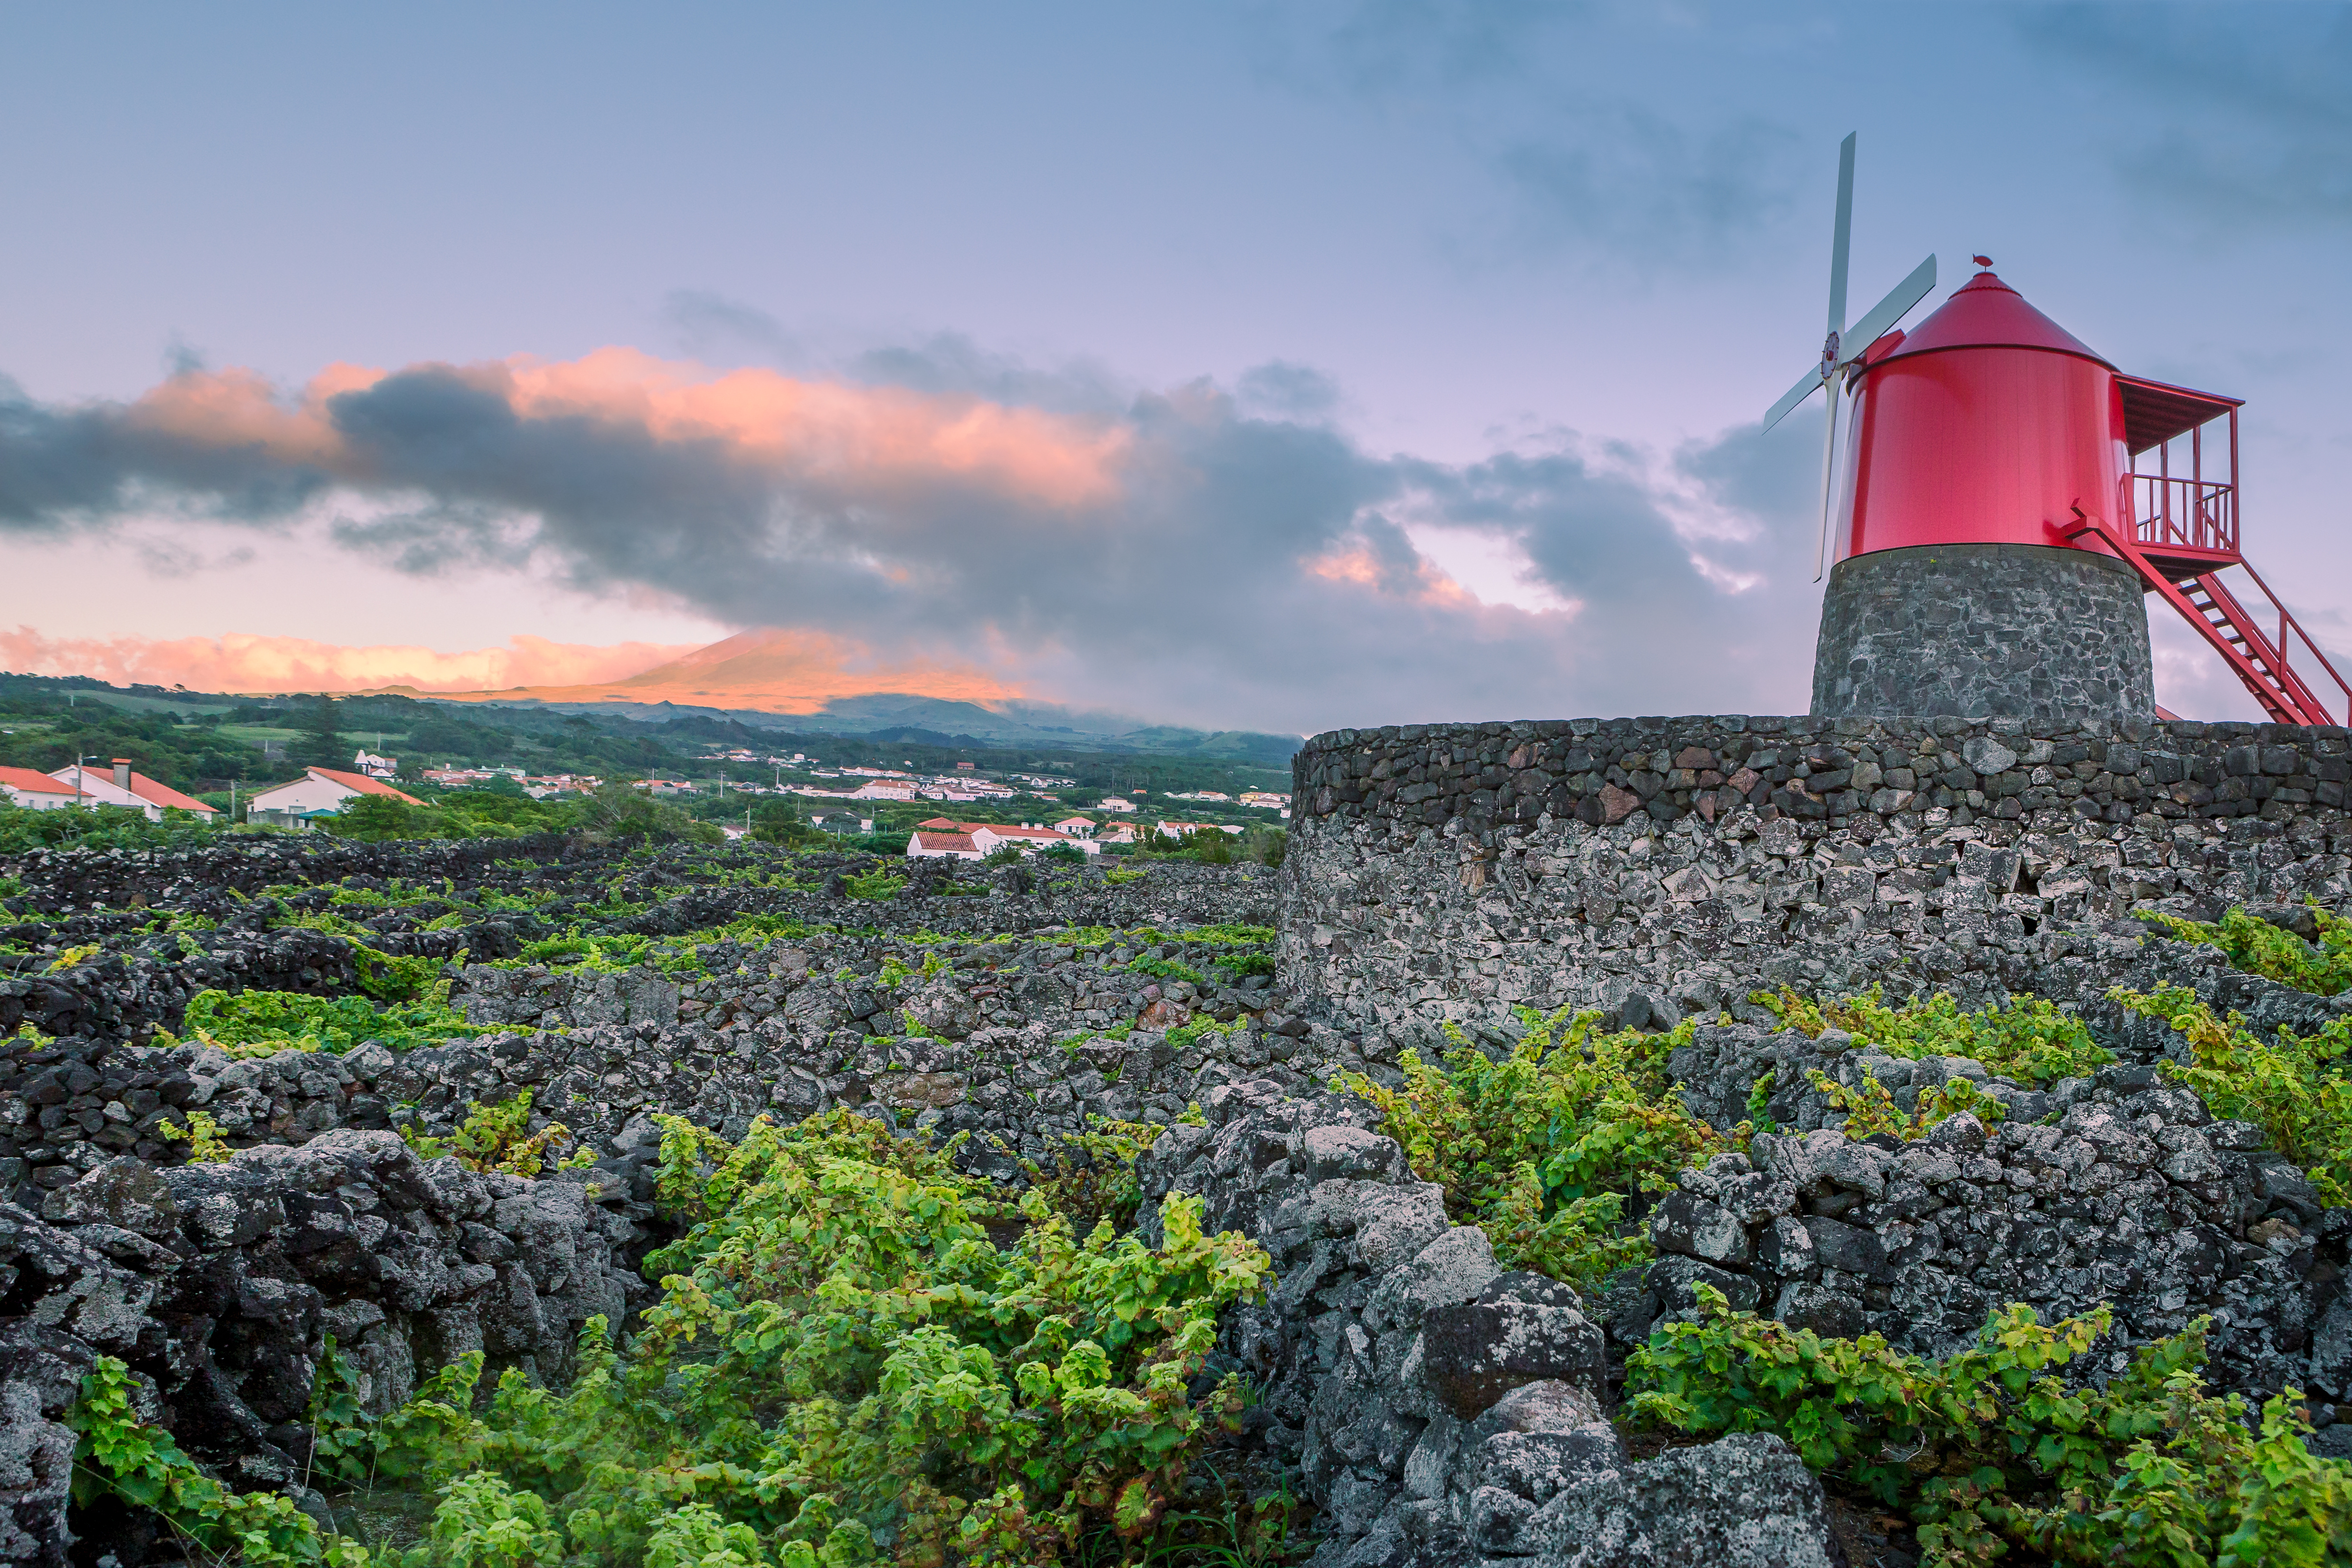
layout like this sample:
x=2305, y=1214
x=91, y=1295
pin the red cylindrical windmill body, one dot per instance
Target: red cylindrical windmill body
x=1987, y=426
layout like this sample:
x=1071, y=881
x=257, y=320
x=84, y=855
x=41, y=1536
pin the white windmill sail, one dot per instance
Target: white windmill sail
x=1844, y=346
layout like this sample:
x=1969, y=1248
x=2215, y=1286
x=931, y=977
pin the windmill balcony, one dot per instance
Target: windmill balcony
x=2183, y=518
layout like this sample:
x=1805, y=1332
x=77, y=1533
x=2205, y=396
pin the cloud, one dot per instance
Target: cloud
x=1577, y=163
x=243, y=662
x=1648, y=189
x=2255, y=118
x=1170, y=553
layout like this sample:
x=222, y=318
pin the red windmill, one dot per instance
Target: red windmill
x=2008, y=493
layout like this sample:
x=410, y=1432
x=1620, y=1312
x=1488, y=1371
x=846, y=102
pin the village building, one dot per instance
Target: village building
x=924, y=844
x=122, y=785
x=319, y=792
x=1114, y=803
x=32, y=791
x=990, y=835
x=1076, y=826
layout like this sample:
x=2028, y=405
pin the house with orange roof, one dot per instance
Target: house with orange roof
x=33, y=791
x=121, y=785
x=989, y=835
x=319, y=792
x=927, y=843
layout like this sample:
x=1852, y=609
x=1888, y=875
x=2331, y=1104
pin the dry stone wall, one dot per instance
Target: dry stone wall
x=1016, y=1041
x=220, y=1284
x=2119, y=1188
x=1442, y=1409
x=1661, y=868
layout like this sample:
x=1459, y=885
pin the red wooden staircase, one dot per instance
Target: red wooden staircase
x=2180, y=533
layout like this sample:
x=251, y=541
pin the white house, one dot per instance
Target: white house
x=1113, y=802
x=376, y=767
x=922, y=845
x=37, y=791
x=884, y=789
x=987, y=835
x=1186, y=829
x=120, y=784
x=319, y=791
x=1266, y=800
x=1076, y=826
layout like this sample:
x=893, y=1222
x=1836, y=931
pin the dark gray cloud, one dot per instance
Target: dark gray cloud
x=2226, y=116
x=68, y=467
x=1645, y=188
x=1579, y=165
x=1248, y=568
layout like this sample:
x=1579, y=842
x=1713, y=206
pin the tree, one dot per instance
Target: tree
x=779, y=822
x=621, y=810
x=324, y=747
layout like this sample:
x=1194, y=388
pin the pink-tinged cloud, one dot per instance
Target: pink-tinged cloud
x=774, y=670
x=1170, y=554
x=864, y=439
x=239, y=662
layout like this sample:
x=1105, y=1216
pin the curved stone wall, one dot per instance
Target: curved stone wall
x=1978, y=630
x=1659, y=867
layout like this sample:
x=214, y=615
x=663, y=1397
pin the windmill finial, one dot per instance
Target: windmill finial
x=1984, y=261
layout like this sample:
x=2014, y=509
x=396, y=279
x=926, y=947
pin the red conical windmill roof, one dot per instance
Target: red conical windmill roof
x=1985, y=313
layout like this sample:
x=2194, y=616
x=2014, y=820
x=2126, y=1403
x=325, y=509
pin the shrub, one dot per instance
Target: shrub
x=99, y=827
x=263, y=1023
x=1092, y=1175
x=117, y=1453
x=2025, y=1038
x=2293, y=1088
x=877, y=885
x=498, y=1138
x=203, y=1137
x=1986, y=1451
x=1870, y=1111
x=2261, y=948
x=1167, y=969
x=1540, y=1146
x=843, y=1369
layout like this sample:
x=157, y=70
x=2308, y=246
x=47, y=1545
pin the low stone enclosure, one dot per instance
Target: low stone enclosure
x=1438, y=1407
x=1660, y=868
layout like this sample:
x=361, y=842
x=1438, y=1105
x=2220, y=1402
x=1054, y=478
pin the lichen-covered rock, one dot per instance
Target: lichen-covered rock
x=1744, y=1501
x=40, y=1376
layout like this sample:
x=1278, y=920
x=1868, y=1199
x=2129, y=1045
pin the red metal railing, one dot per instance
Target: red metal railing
x=2186, y=514
x=2303, y=680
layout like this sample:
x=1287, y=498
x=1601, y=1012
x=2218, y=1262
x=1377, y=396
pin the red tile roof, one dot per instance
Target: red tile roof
x=157, y=793
x=946, y=841
x=1001, y=829
x=362, y=784
x=34, y=782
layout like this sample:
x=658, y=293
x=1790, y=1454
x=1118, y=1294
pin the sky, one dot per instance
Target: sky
x=1241, y=365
